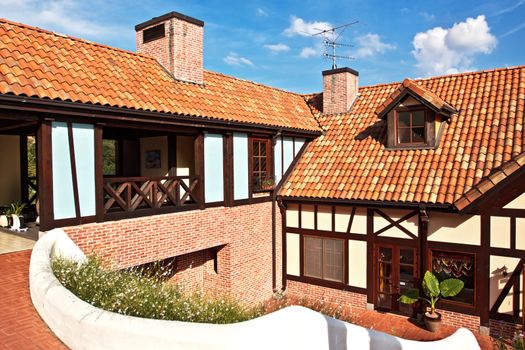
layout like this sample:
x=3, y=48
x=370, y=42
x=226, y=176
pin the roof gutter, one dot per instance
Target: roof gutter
x=368, y=203
x=32, y=104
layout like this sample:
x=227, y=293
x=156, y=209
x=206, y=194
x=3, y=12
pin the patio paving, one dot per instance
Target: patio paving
x=20, y=325
x=407, y=328
x=13, y=242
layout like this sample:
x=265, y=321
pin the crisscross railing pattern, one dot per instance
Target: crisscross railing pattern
x=127, y=194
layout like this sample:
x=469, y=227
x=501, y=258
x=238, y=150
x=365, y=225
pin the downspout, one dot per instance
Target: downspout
x=274, y=219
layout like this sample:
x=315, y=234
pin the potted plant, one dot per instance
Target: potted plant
x=434, y=290
x=16, y=210
x=267, y=184
x=5, y=218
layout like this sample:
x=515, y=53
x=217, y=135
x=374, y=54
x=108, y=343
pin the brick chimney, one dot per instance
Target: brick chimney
x=175, y=40
x=340, y=87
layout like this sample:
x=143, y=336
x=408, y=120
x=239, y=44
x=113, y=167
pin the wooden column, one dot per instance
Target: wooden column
x=172, y=155
x=24, y=192
x=483, y=272
x=45, y=176
x=99, y=172
x=370, y=256
x=199, y=168
x=228, y=169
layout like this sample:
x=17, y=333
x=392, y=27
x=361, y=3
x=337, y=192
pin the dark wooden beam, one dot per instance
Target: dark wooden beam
x=45, y=176
x=99, y=173
x=199, y=168
x=73, y=164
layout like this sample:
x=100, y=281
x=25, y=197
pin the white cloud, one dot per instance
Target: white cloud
x=370, y=45
x=451, y=50
x=66, y=16
x=308, y=52
x=276, y=48
x=259, y=12
x=299, y=27
x=428, y=16
x=233, y=59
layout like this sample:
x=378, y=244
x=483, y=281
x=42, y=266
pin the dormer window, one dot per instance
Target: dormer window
x=411, y=127
x=415, y=117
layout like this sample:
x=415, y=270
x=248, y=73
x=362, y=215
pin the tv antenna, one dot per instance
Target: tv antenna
x=330, y=38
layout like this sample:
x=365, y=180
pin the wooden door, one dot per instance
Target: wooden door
x=395, y=272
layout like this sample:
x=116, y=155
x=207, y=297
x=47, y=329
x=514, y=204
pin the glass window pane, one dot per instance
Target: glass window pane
x=262, y=149
x=403, y=135
x=404, y=119
x=418, y=134
x=406, y=256
x=385, y=254
x=418, y=118
x=406, y=273
x=456, y=265
x=384, y=300
x=313, y=257
x=333, y=260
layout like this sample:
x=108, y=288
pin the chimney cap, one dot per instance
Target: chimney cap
x=340, y=70
x=168, y=16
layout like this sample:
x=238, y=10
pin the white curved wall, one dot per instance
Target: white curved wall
x=82, y=326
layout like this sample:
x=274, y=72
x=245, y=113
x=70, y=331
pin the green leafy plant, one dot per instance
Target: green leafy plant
x=434, y=290
x=16, y=208
x=268, y=183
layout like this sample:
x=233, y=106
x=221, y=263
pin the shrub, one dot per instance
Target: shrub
x=133, y=293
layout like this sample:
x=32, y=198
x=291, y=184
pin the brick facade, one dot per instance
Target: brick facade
x=456, y=319
x=340, y=88
x=243, y=234
x=180, y=51
x=353, y=300
x=502, y=329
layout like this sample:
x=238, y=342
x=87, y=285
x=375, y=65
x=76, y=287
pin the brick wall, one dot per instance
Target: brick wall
x=456, y=319
x=185, y=57
x=355, y=301
x=339, y=91
x=244, y=263
x=502, y=329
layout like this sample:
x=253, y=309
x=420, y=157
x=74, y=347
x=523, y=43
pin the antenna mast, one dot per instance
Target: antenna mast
x=330, y=37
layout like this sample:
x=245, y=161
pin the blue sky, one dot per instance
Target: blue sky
x=267, y=42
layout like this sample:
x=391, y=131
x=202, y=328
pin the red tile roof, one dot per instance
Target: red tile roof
x=350, y=161
x=39, y=63
x=409, y=85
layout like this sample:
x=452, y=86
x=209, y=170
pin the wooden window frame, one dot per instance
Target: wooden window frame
x=411, y=110
x=343, y=255
x=457, y=252
x=269, y=160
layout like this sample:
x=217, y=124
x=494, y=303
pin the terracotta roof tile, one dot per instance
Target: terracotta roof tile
x=38, y=63
x=481, y=146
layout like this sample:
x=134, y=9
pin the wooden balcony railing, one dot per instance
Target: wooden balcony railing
x=156, y=194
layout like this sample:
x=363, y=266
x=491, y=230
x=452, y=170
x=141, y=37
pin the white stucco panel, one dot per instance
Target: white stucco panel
x=454, y=228
x=517, y=203
x=307, y=217
x=324, y=218
x=292, y=254
x=500, y=232
x=292, y=215
x=357, y=263
x=520, y=233
x=498, y=281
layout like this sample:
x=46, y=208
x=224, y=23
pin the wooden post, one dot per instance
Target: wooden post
x=24, y=190
x=483, y=272
x=523, y=299
x=99, y=172
x=199, y=169
x=45, y=176
x=228, y=169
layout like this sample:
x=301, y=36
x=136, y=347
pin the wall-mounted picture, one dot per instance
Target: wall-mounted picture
x=152, y=159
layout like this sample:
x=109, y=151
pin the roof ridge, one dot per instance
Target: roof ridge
x=254, y=82
x=66, y=36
